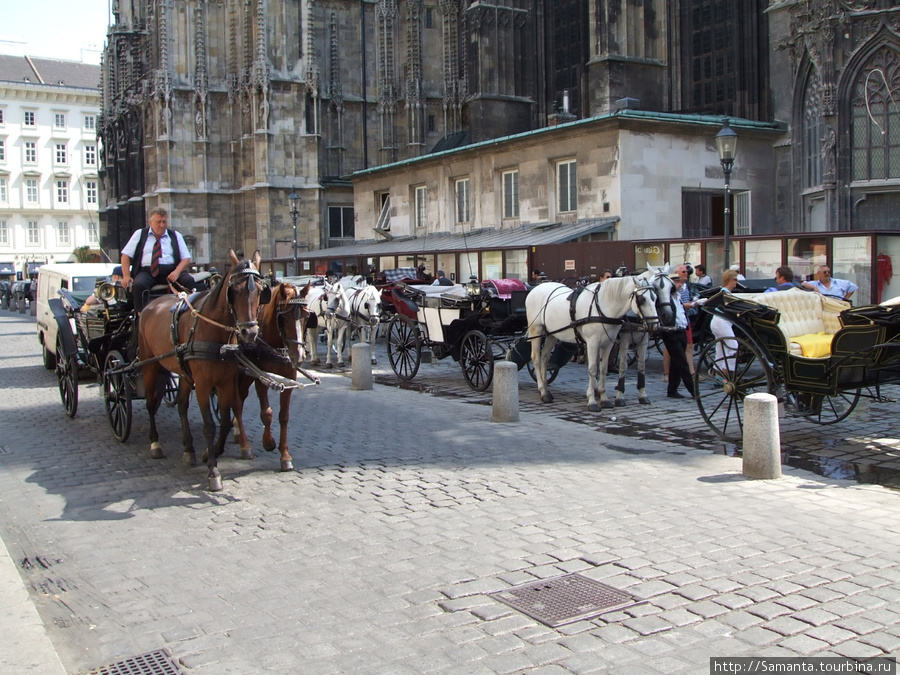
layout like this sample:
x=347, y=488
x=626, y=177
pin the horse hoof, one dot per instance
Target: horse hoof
x=156, y=451
x=644, y=400
x=341, y=364
x=620, y=402
x=246, y=453
x=606, y=404
x=329, y=366
x=547, y=398
x=594, y=407
x=374, y=362
x=287, y=465
x=204, y=456
x=215, y=483
x=189, y=459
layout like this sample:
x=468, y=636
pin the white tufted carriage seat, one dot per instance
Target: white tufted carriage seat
x=807, y=318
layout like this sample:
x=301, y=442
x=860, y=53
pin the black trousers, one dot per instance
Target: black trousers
x=144, y=281
x=679, y=369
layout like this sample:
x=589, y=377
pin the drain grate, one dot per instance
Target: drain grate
x=155, y=663
x=561, y=600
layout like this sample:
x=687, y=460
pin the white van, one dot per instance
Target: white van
x=80, y=279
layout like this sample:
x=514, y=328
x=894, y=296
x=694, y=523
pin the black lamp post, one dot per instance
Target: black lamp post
x=294, y=200
x=726, y=142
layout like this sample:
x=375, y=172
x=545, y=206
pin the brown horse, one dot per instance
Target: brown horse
x=189, y=344
x=278, y=350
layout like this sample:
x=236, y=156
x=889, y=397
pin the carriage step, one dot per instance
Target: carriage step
x=428, y=356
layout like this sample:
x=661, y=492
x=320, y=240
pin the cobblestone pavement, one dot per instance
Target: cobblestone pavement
x=406, y=509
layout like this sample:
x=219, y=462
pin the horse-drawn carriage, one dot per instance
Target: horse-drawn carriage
x=473, y=323
x=208, y=339
x=818, y=356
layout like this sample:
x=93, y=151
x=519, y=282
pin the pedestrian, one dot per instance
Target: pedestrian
x=537, y=276
x=690, y=306
x=675, y=341
x=703, y=278
x=722, y=328
x=155, y=255
x=829, y=286
x=784, y=280
x=441, y=279
x=606, y=274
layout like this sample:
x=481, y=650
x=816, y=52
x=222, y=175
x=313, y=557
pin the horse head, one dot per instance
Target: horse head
x=290, y=313
x=367, y=304
x=658, y=279
x=244, y=291
x=643, y=299
x=338, y=302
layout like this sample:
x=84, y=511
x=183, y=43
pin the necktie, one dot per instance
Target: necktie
x=157, y=254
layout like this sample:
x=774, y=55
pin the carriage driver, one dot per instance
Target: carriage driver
x=163, y=258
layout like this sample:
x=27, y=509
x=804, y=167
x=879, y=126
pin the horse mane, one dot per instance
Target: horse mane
x=215, y=293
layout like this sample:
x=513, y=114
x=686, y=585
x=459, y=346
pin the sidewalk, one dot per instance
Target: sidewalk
x=405, y=511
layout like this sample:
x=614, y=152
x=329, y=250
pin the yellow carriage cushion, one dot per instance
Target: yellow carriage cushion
x=814, y=345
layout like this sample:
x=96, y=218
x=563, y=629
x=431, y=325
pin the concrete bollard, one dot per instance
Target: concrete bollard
x=762, y=437
x=361, y=355
x=506, y=392
x=4, y=301
x=22, y=306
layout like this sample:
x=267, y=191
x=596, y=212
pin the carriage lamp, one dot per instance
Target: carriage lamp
x=294, y=200
x=726, y=142
x=473, y=288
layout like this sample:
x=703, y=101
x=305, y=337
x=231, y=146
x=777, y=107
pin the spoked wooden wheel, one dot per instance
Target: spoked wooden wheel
x=552, y=372
x=170, y=395
x=824, y=409
x=404, y=348
x=721, y=389
x=476, y=357
x=117, y=396
x=67, y=375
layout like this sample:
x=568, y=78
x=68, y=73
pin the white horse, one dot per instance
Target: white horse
x=319, y=318
x=355, y=305
x=633, y=332
x=593, y=315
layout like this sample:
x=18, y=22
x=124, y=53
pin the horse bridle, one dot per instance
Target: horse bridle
x=237, y=277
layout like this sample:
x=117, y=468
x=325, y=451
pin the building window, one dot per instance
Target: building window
x=90, y=191
x=431, y=124
x=61, y=154
x=742, y=213
x=429, y=17
x=62, y=191
x=510, y=194
x=875, y=119
x=93, y=233
x=90, y=155
x=31, y=190
x=813, y=131
x=62, y=234
x=462, y=201
x=566, y=186
x=31, y=152
x=2, y=116
x=29, y=118
x=340, y=222
x=4, y=186
x=90, y=122
x=421, y=203
x=4, y=233
x=34, y=233
x=2, y=150
x=59, y=121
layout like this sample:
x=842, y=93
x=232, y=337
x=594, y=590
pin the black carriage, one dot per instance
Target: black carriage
x=473, y=323
x=98, y=343
x=819, y=377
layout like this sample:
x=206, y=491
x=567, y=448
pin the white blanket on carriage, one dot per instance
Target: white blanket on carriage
x=455, y=291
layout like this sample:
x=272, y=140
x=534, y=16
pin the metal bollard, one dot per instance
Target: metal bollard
x=505, y=407
x=361, y=355
x=762, y=437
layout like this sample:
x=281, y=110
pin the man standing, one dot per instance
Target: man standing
x=155, y=255
x=441, y=279
x=676, y=346
x=833, y=288
x=784, y=278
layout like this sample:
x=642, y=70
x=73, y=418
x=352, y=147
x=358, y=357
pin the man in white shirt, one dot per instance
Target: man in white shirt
x=163, y=258
x=833, y=288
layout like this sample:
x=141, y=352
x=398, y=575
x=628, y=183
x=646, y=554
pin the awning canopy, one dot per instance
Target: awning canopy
x=483, y=239
x=7, y=267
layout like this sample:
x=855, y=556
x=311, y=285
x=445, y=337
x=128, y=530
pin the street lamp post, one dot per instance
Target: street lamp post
x=726, y=142
x=294, y=200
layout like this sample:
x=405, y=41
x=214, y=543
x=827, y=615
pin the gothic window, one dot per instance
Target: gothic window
x=875, y=118
x=813, y=131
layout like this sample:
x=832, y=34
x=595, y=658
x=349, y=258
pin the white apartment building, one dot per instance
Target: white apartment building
x=49, y=161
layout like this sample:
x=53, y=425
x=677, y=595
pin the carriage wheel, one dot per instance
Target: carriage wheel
x=170, y=395
x=721, y=389
x=67, y=375
x=404, y=347
x=552, y=372
x=117, y=396
x=477, y=360
x=824, y=409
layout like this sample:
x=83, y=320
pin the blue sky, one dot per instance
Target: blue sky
x=54, y=28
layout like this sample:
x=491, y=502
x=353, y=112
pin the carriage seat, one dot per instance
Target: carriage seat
x=808, y=320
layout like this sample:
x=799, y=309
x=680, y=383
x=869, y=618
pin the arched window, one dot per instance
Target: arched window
x=813, y=130
x=875, y=111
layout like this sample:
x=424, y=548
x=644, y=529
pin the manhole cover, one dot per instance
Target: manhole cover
x=155, y=663
x=561, y=600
